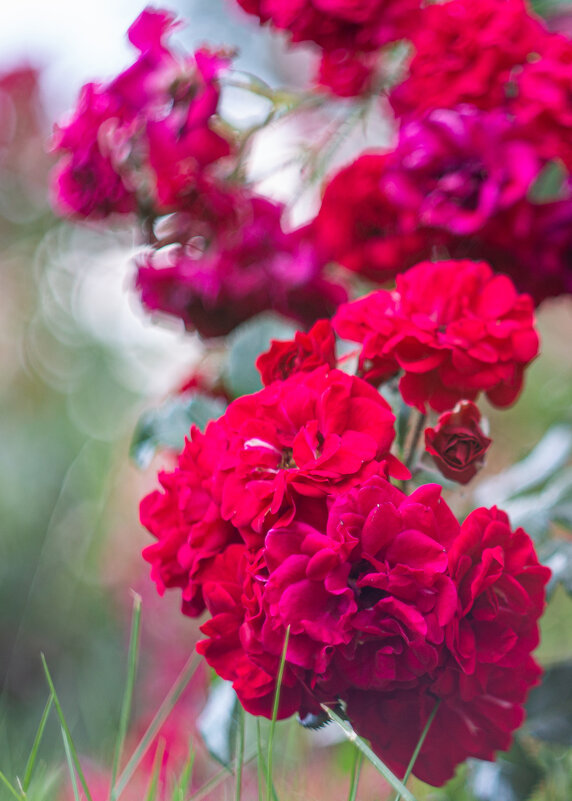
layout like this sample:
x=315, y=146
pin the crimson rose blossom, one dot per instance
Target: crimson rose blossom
x=232, y=261
x=457, y=57
x=363, y=590
x=454, y=169
x=487, y=669
x=457, y=443
x=185, y=519
x=348, y=32
x=145, y=137
x=304, y=353
x=362, y=227
x=314, y=435
x=454, y=327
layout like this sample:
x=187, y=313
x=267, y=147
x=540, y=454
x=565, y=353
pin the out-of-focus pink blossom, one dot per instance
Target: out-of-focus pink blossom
x=235, y=265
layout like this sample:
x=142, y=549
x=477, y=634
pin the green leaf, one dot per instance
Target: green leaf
x=68, y=742
x=218, y=722
x=35, y=747
x=154, y=727
x=169, y=424
x=557, y=555
x=513, y=777
x=247, y=343
x=545, y=461
x=549, y=184
x=549, y=707
x=132, y=660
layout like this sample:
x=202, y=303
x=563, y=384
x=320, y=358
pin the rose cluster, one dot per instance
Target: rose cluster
x=484, y=119
x=454, y=327
x=284, y=519
x=152, y=142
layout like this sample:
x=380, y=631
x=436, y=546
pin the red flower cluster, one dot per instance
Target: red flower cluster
x=304, y=354
x=453, y=327
x=391, y=606
x=346, y=32
x=361, y=226
x=142, y=139
x=227, y=259
x=465, y=53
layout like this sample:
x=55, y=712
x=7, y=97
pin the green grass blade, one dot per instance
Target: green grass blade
x=185, y=779
x=419, y=746
x=154, y=780
x=160, y=717
x=275, y=715
x=10, y=787
x=215, y=780
x=64, y=726
x=356, y=772
x=239, y=752
x=387, y=774
x=38, y=739
x=70, y=766
x=259, y=758
x=132, y=660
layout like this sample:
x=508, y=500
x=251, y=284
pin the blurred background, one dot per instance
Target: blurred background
x=79, y=363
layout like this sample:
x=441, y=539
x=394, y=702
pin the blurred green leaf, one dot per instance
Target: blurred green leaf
x=169, y=424
x=545, y=461
x=218, y=722
x=557, y=555
x=513, y=777
x=247, y=343
x=549, y=707
x=549, y=184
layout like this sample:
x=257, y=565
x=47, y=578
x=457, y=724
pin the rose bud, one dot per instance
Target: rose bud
x=457, y=443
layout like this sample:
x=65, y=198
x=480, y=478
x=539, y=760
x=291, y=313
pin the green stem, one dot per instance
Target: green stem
x=419, y=427
x=239, y=752
x=356, y=772
x=419, y=746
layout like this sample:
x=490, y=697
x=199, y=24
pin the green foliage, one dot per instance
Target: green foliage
x=167, y=426
x=247, y=342
x=549, y=185
x=512, y=777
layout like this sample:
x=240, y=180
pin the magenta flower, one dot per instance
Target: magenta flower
x=454, y=169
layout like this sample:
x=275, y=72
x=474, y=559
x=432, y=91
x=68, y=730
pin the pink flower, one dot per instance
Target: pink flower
x=454, y=169
x=455, y=329
x=142, y=139
x=360, y=26
x=457, y=443
x=88, y=182
x=232, y=596
x=360, y=225
x=233, y=261
x=303, y=354
x=314, y=435
x=457, y=55
x=404, y=597
x=346, y=73
x=541, y=101
x=486, y=670
x=185, y=519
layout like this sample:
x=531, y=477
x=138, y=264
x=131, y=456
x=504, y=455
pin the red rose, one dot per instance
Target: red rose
x=361, y=227
x=457, y=443
x=303, y=354
x=314, y=435
x=457, y=55
x=454, y=327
